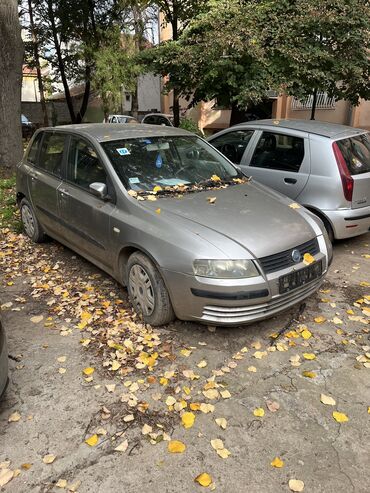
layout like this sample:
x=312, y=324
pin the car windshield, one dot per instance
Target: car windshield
x=145, y=163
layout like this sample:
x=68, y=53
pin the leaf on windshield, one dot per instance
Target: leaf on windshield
x=215, y=178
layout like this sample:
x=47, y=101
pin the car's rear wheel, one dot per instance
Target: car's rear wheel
x=147, y=291
x=31, y=225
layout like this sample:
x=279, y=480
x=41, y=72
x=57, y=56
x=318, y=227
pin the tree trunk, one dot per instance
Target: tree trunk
x=135, y=103
x=176, y=107
x=85, y=100
x=11, y=59
x=314, y=101
x=61, y=63
x=37, y=63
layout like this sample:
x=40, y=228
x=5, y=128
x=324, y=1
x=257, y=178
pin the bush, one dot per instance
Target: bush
x=190, y=126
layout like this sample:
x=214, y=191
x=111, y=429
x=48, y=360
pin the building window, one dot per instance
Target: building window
x=323, y=102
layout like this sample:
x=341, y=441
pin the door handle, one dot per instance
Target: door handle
x=291, y=181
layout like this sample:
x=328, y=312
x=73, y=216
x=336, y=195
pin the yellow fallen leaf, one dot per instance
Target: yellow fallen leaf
x=326, y=399
x=194, y=406
x=151, y=198
x=36, y=319
x=88, y=371
x=309, y=374
x=163, y=381
x=340, y=417
x=277, y=462
x=146, y=429
x=170, y=401
x=158, y=211
x=204, y=479
x=294, y=205
x=223, y=453
x=260, y=354
x=62, y=483
x=14, y=417
x=202, y=364
x=306, y=334
x=6, y=475
x=26, y=466
x=368, y=410
x=350, y=312
x=49, y=458
x=157, y=188
x=185, y=352
x=215, y=178
x=320, y=320
x=85, y=316
x=225, y=394
x=188, y=419
x=115, y=365
x=62, y=371
x=176, y=447
x=217, y=444
x=222, y=423
x=259, y=412
x=308, y=259
x=211, y=394
x=206, y=408
x=122, y=447
x=252, y=369
x=211, y=200
x=337, y=321
x=309, y=356
x=92, y=441
x=296, y=485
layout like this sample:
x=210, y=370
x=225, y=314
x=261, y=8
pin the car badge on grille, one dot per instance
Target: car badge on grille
x=296, y=256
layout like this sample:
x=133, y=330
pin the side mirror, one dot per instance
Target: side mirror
x=100, y=190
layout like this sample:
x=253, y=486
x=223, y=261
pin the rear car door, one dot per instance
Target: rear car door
x=86, y=217
x=356, y=154
x=279, y=160
x=233, y=144
x=44, y=165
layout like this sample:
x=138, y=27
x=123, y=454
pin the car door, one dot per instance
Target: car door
x=279, y=160
x=85, y=216
x=44, y=165
x=233, y=144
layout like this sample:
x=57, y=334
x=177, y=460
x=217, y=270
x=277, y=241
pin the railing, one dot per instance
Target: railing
x=323, y=102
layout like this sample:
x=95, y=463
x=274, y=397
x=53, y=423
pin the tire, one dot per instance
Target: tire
x=31, y=225
x=329, y=229
x=147, y=291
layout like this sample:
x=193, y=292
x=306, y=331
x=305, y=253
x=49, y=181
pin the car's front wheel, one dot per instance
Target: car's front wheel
x=31, y=225
x=147, y=291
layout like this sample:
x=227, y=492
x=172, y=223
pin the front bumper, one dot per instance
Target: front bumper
x=347, y=223
x=238, y=301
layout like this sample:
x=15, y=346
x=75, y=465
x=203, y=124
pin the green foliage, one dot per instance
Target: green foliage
x=115, y=67
x=9, y=214
x=189, y=125
x=235, y=50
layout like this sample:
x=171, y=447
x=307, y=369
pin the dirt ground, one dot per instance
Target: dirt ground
x=83, y=368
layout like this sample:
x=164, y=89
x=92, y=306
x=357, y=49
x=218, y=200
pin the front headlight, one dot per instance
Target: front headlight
x=225, y=269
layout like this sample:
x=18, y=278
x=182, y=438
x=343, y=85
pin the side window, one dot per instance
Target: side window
x=84, y=165
x=51, y=154
x=32, y=153
x=233, y=144
x=278, y=151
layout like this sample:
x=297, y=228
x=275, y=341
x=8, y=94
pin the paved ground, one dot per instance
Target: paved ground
x=152, y=375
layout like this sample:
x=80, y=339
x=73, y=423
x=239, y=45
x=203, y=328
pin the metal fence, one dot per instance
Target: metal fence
x=323, y=102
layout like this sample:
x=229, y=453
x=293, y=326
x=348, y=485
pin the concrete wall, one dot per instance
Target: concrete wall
x=149, y=94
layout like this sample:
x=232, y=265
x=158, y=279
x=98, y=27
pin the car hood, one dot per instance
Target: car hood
x=255, y=217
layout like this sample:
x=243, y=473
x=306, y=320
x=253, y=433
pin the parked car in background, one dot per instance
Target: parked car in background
x=323, y=166
x=168, y=216
x=3, y=360
x=121, y=119
x=28, y=127
x=158, y=119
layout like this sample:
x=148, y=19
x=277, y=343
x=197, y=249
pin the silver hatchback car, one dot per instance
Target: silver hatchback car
x=323, y=166
x=171, y=218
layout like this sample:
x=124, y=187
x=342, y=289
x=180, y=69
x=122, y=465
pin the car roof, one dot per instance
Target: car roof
x=325, y=129
x=105, y=132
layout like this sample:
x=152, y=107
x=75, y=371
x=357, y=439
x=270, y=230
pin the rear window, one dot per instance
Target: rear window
x=356, y=153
